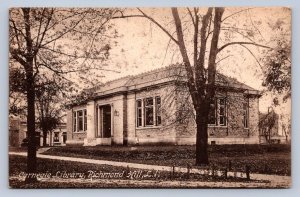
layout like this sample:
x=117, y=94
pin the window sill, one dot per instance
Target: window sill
x=148, y=127
x=79, y=132
x=217, y=126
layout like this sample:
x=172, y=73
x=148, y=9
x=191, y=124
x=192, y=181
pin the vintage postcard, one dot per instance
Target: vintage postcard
x=189, y=97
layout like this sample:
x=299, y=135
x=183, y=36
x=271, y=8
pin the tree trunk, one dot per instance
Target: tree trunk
x=202, y=136
x=31, y=156
x=202, y=107
x=30, y=90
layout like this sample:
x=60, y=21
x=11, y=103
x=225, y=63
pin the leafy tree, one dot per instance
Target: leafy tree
x=49, y=111
x=278, y=70
x=266, y=123
x=65, y=44
x=17, y=105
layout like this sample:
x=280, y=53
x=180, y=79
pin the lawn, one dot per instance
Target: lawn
x=266, y=159
x=17, y=165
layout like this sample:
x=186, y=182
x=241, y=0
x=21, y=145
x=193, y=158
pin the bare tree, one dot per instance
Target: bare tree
x=59, y=43
x=200, y=63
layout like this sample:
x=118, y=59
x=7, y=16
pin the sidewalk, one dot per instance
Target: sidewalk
x=275, y=180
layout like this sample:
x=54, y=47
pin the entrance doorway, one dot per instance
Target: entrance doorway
x=104, y=121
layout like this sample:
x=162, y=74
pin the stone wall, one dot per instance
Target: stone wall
x=74, y=138
x=178, y=126
x=254, y=116
x=234, y=131
x=165, y=133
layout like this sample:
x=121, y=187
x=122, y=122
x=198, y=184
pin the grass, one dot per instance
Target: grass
x=17, y=149
x=17, y=165
x=266, y=159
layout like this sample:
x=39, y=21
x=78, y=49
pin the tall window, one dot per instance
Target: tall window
x=222, y=112
x=245, y=115
x=64, y=137
x=139, y=113
x=56, y=137
x=212, y=113
x=149, y=111
x=79, y=120
x=74, y=121
x=158, y=111
x=84, y=120
x=217, y=113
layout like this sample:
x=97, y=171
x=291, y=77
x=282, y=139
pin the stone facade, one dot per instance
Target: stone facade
x=114, y=107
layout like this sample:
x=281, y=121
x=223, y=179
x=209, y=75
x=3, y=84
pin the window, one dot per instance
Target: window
x=139, y=113
x=148, y=111
x=64, y=137
x=56, y=137
x=158, y=112
x=217, y=113
x=245, y=115
x=222, y=112
x=79, y=121
x=85, y=120
x=212, y=113
x=74, y=121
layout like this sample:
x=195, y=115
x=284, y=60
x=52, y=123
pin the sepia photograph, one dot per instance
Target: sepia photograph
x=150, y=97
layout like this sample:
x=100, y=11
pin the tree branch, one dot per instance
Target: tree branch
x=45, y=30
x=213, y=54
x=236, y=13
x=14, y=54
x=183, y=51
x=64, y=33
x=234, y=30
x=243, y=43
x=127, y=16
x=40, y=26
x=223, y=59
x=200, y=62
x=16, y=32
x=191, y=15
x=159, y=25
x=253, y=56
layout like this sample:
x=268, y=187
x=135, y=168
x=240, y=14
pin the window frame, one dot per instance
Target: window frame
x=156, y=114
x=139, y=113
x=246, y=115
x=80, y=122
x=56, y=138
x=157, y=111
x=146, y=108
x=76, y=119
x=217, y=113
x=84, y=120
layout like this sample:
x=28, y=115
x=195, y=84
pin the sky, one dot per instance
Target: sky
x=142, y=46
